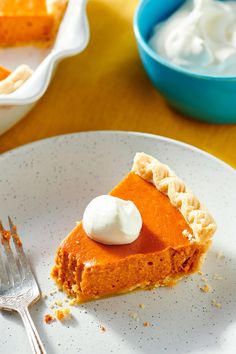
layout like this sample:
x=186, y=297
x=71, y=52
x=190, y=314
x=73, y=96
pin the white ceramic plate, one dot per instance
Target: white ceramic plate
x=45, y=187
x=72, y=38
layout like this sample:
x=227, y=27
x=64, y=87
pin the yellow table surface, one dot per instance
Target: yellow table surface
x=106, y=87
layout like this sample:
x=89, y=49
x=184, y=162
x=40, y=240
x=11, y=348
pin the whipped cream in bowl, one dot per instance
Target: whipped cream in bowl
x=112, y=221
x=199, y=36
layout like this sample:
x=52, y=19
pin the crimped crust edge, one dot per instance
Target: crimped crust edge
x=166, y=181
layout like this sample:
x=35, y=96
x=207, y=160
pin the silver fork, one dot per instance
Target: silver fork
x=18, y=287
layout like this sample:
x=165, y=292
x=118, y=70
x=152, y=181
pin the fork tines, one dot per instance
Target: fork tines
x=12, y=271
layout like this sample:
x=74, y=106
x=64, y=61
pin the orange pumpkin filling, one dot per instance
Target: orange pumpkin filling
x=23, y=21
x=161, y=254
x=4, y=73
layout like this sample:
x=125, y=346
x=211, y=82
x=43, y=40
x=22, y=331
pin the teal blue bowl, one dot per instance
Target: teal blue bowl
x=207, y=98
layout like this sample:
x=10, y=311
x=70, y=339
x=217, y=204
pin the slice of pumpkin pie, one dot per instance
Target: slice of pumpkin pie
x=29, y=21
x=149, y=231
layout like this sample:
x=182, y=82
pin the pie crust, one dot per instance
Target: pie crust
x=15, y=79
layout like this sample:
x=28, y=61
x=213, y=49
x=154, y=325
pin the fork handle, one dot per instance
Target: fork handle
x=35, y=341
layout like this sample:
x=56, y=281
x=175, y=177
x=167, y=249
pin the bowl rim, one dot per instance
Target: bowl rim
x=50, y=61
x=141, y=41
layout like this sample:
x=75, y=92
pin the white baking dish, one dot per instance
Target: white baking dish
x=72, y=38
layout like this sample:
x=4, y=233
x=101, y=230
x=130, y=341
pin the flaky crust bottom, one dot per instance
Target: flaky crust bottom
x=168, y=282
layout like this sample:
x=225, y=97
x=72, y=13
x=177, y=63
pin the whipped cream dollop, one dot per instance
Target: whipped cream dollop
x=112, y=221
x=200, y=36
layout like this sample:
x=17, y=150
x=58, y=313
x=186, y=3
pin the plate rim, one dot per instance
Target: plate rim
x=40, y=143
x=26, y=146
